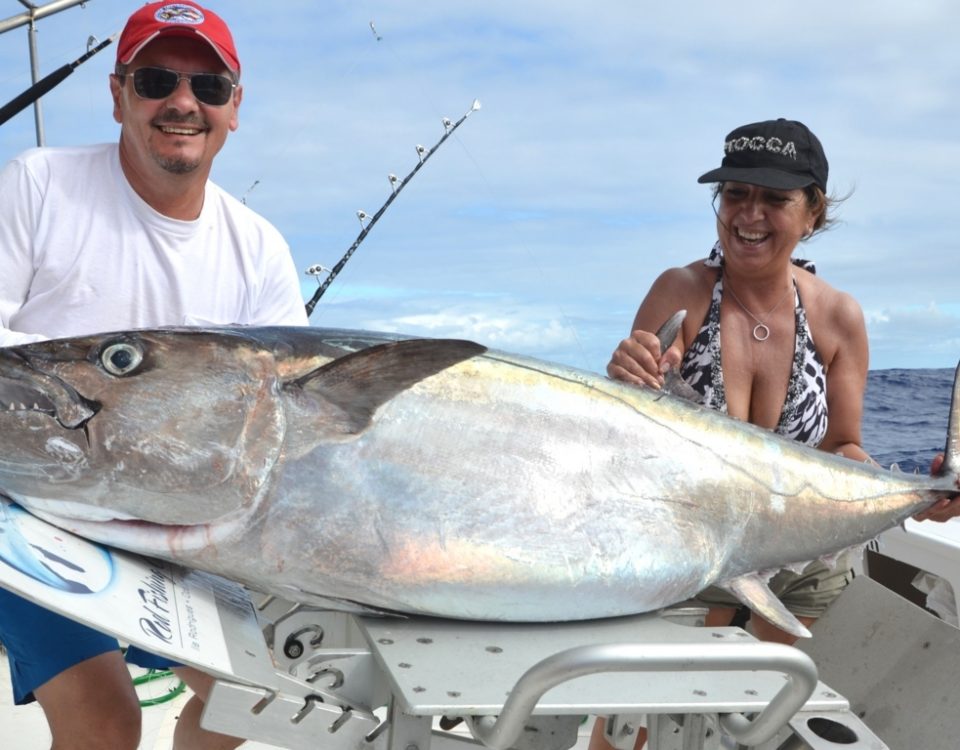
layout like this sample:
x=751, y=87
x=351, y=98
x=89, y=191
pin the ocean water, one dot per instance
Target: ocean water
x=905, y=416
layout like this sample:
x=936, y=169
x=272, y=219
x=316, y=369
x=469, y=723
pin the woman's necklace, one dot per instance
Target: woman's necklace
x=761, y=331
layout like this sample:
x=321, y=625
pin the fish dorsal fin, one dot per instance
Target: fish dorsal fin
x=752, y=590
x=359, y=383
x=951, y=453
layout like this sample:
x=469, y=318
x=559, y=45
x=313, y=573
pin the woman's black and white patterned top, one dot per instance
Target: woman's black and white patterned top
x=804, y=414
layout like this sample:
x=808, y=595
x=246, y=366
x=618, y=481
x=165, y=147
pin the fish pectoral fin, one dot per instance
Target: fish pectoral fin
x=362, y=381
x=313, y=601
x=752, y=590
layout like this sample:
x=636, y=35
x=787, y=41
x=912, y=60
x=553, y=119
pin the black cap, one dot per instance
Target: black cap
x=780, y=154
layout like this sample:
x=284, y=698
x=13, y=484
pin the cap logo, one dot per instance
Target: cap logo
x=759, y=143
x=180, y=13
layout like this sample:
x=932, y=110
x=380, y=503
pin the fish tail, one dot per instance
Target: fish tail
x=951, y=453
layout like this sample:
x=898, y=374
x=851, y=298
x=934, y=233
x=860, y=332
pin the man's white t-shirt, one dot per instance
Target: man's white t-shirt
x=82, y=253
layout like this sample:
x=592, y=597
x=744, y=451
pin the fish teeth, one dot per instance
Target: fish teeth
x=21, y=406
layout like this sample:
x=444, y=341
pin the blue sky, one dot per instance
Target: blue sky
x=539, y=226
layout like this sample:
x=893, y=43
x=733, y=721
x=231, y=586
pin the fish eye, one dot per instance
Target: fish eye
x=121, y=358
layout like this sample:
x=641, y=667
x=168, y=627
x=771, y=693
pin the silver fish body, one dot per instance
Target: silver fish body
x=429, y=477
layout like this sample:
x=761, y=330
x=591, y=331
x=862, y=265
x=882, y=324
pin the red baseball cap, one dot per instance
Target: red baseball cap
x=177, y=19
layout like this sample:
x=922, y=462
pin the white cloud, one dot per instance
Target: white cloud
x=521, y=330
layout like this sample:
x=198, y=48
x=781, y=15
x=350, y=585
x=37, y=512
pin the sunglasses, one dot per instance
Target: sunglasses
x=159, y=83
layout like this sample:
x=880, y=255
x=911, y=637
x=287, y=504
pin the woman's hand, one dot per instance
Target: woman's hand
x=637, y=360
x=945, y=509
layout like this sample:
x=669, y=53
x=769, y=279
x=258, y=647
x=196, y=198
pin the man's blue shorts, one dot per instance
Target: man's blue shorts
x=41, y=644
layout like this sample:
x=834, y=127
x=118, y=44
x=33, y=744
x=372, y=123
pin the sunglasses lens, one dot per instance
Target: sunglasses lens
x=155, y=83
x=211, y=89
x=159, y=83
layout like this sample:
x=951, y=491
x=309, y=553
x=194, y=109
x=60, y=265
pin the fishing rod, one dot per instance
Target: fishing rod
x=47, y=83
x=396, y=185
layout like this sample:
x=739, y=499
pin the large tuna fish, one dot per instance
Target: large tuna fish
x=422, y=476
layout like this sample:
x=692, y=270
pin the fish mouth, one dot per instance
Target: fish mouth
x=16, y=397
x=69, y=511
x=134, y=534
x=117, y=529
x=26, y=390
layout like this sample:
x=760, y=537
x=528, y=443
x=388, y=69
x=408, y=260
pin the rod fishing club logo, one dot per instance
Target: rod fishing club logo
x=180, y=13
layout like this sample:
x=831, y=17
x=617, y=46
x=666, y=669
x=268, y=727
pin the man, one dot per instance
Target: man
x=131, y=235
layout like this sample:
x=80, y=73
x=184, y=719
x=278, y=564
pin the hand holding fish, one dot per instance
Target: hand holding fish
x=945, y=508
x=637, y=359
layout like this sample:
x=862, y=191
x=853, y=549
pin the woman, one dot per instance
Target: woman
x=794, y=352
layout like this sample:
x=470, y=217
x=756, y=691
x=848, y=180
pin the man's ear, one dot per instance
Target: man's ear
x=237, y=98
x=116, y=91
